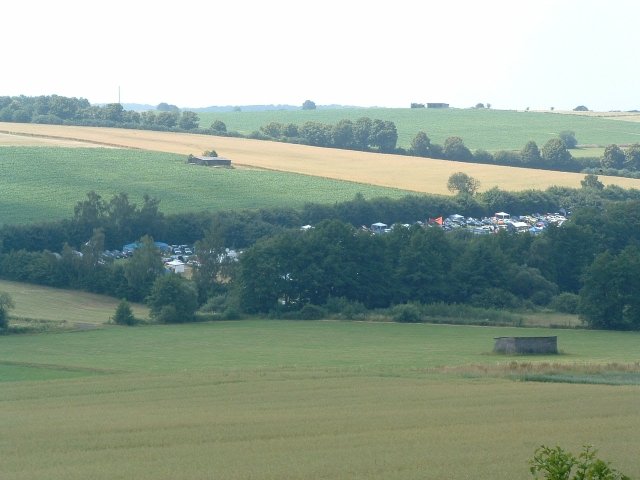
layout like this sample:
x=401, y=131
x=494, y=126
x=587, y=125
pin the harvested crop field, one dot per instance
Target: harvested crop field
x=397, y=171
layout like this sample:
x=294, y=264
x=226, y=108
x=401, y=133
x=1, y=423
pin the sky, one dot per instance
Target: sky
x=511, y=54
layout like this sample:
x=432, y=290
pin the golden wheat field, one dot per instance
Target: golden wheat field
x=397, y=171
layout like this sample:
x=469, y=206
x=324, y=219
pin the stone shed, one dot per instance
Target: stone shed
x=526, y=345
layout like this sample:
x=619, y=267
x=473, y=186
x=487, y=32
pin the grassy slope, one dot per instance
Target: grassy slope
x=31, y=192
x=272, y=400
x=480, y=129
x=57, y=305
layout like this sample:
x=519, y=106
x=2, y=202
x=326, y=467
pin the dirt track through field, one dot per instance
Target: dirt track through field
x=397, y=171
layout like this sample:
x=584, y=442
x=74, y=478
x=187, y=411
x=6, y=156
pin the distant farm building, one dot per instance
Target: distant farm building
x=437, y=105
x=209, y=161
x=526, y=345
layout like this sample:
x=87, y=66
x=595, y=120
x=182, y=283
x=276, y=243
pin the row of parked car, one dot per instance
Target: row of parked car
x=533, y=223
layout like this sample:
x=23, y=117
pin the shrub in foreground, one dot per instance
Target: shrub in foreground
x=124, y=314
x=558, y=464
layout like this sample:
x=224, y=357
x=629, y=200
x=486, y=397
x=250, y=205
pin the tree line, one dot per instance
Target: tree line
x=59, y=110
x=591, y=264
x=363, y=134
x=124, y=221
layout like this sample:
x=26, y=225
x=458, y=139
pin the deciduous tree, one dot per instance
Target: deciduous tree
x=461, y=183
x=613, y=157
x=6, y=304
x=555, y=154
x=530, y=154
x=569, y=138
x=218, y=126
x=455, y=149
x=308, y=105
x=632, y=157
x=591, y=181
x=173, y=299
x=421, y=145
x=189, y=120
x=143, y=268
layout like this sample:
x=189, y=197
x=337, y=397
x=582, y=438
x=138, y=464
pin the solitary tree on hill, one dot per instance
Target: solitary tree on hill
x=308, y=105
x=461, y=183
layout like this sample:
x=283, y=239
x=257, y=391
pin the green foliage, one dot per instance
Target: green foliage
x=440, y=312
x=421, y=145
x=308, y=105
x=569, y=138
x=565, y=302
x=495, y=298
x=530, y=154
x=461, y=183
x=482, y=156
x=312, y=312
x=455, y=149
x=613, y=157
x=173, y=299
x=609, y=296
x=143, y=268
x=342, y=134
x=166, y=107
x=558, y=464
x=124, y=314
x=6, y=304
x=218, y=126
x=554, y=154
x=406, y=313
x=632, y=157
x=344, y=308
x=591, y=181
x=189, y=121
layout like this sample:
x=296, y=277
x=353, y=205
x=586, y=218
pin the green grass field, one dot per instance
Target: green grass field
x=45, y=183
x=299, y=400
x=490, y=130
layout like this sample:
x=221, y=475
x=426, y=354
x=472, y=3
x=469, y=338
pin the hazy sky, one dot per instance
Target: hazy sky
x=509, y=53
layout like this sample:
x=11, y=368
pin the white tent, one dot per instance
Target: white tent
x=176, y=265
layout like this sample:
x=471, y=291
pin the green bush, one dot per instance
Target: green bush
x=124, y=314
x=565, y=303
x=168, y=314
x=312, y=312
x=344, y=308
x=466, y=314
x=231, y=313
x=173, y=299
x=215, y=304
x=406, y=313
x=558, y=464
x=495, y=298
